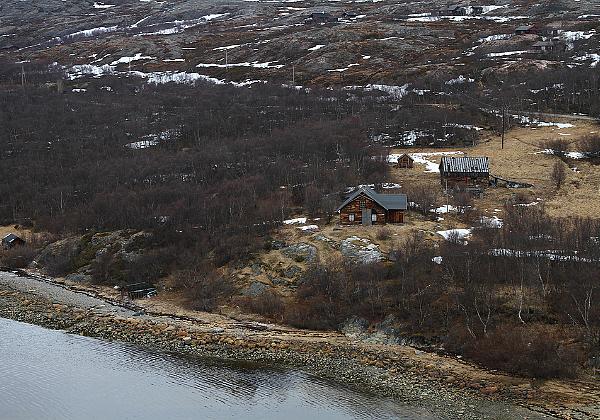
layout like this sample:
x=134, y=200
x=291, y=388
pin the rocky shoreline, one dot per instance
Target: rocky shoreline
x=351, y=367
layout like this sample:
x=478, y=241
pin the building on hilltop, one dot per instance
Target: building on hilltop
x=321, y=17
x=477, y=9
x=525, y=29
x=454, y=10
x=366, y=207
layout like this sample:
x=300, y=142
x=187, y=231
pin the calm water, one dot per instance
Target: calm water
x=46, y=374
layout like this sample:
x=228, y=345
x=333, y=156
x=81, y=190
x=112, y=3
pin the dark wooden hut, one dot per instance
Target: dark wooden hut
x=405, y=161
x=11, y=240
x=464, y=172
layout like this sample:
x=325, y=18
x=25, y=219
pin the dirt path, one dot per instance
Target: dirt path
x=574, y=117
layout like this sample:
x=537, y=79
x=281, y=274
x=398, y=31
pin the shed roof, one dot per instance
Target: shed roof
x=11, y=237
x=387, y=201
x=543, y=44
x=465, y=164
x=524, y=28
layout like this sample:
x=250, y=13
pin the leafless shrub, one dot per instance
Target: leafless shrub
x=58, y=265
x=590, y=145
x=425, y=197
x=559, y=174
x=536, y=351
x=18, y=256
x=384, y=233
x=268, y=303
x=463, y=200
x=558, y=146
x=208, y=291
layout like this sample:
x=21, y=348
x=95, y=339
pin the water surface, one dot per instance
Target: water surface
x=47, y=374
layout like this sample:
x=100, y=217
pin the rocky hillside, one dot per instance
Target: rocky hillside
x=253, y=42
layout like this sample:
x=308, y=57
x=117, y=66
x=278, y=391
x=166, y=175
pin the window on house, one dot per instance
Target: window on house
x=362, y=203
x=351, y=217
x=373, y=217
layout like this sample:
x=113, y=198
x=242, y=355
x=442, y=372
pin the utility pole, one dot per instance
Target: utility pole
x=226, y=60
x=503, y=125
x=447, y=203
x=293, y=75
x=22, y=76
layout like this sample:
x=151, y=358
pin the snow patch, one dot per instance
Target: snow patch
x=459, y=80
x=445, y=209
x=297, y=220
x=308, y=228
x=494, y=38
x=103, y=6
x=127, y=60
x=254, y=64
x=460, y=234
x=422, y=158
x=491, y=222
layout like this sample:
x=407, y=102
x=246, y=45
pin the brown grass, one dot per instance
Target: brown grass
x=519, y=160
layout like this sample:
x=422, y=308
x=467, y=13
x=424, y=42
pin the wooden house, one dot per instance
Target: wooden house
x=547, y=46
x=553, y=29
x=405, y=161
x=11, y=240
x=525, y=29
x=464, y=172
x=350, y=15
x=454, y=10
x=477, y=9
x=366, y=207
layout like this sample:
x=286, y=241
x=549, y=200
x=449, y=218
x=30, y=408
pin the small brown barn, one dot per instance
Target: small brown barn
x=464, y=171
x=405, y=161
x=525, y=29
x=366, y=207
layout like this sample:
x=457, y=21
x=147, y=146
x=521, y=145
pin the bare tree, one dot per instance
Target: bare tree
x=558, y=175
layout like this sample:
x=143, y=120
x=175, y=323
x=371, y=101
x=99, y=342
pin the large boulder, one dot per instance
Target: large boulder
x=383, y=333
x=59, y=251
x=301, y=252
x=255, y=289
x=77, y=254
x=360, y=250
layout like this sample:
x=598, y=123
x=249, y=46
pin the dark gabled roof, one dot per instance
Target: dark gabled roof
x=387, y=201
x=465, y=164
x=11, y=237
x=405, y=154
x=543, y=44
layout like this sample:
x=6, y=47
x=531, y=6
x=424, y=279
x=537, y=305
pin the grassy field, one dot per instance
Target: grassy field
x=520, y=160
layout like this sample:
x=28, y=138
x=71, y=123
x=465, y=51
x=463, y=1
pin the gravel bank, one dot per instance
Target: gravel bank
x=52, y=306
